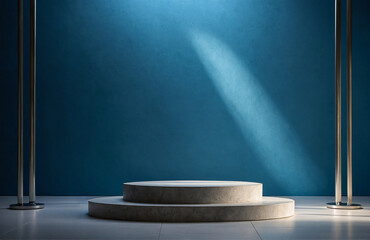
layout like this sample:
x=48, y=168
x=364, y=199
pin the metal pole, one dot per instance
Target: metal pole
x=338, y=169
x=20, y=107
x=20, y=102
x=350, y=204
x=32, y=99
x=338, y=195
x=32, y=204
x=32, y=193
x=349, y=102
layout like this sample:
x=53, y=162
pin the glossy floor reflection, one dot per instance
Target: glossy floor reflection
x=66, y=218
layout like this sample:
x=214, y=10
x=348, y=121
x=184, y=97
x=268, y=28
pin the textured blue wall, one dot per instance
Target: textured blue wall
x=149, y=90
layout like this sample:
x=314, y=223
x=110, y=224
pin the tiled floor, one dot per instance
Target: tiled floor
x=66, y=218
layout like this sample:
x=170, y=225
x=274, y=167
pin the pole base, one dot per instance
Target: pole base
x=343, y=206
x=27, y=206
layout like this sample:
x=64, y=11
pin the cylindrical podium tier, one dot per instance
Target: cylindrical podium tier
x=191, y=201
x=116, y=208
x=192, y=192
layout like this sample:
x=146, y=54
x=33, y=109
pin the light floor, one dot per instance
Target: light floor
x=66, y=218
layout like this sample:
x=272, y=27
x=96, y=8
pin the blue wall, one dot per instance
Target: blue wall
x=149, y=90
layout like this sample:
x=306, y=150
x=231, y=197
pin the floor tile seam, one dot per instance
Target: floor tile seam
x=159, y=233
x=255, y=229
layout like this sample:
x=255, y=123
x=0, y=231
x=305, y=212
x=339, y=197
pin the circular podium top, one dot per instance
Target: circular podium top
x=192, y=192
x=191, y=183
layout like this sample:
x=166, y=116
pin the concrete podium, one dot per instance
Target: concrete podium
x=191, y=201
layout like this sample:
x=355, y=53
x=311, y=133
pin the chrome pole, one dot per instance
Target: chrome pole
x=338, y=163
x=20, y=102
x=338, y=195
x=20, y=107
x=338, y=156
x=32, y=193
x=350, y=204
x=32, y=204
x=32, y=100
x=349, y=102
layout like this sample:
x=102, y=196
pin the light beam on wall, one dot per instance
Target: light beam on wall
x=262, y=125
